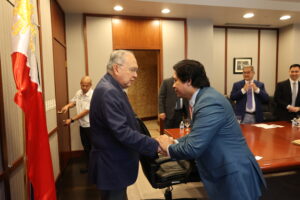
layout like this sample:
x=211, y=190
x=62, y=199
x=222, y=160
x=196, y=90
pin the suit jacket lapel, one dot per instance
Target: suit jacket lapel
x=288, y=88
x=298, y=96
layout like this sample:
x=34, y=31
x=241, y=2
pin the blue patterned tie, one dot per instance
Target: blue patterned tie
x=249, y=99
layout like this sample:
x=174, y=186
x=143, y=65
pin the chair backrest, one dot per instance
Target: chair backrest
x=269, y=110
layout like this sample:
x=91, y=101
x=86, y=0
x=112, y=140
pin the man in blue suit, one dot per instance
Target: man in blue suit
x=226, y=166
x=115, y=136
x=249, y=95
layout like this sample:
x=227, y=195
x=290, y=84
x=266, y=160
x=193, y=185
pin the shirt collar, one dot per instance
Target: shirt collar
x=292, y=81
x=193, y=99
x=251, y=81
x=87, y=93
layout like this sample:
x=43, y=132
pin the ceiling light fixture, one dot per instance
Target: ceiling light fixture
x=165, y=11
x=285, y=17
x=118, y=8
x=248, y=15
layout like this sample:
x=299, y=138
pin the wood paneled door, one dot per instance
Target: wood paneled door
x=61, y=81
x=143, y=94
x=61, y=91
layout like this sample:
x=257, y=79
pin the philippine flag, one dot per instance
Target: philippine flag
x=29, y=98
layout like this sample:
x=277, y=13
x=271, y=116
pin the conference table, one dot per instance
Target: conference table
x=272, y=145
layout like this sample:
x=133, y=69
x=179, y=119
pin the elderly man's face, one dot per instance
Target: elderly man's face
x=127, y=72
x=248, y=73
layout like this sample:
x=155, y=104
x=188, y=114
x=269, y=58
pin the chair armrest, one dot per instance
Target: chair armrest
x=163, y=159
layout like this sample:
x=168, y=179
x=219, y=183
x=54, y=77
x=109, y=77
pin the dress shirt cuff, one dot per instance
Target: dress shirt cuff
x=243, y=91
x=257, y=91
x=288, y=106
x=175, y=142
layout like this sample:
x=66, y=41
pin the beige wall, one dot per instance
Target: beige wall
x=48, y=79
x=285, y=58
x=200, y=43
x=218, y=79
x=268, y=59
x=99, y=49
x=173, y=45
x=76, y=68
x=289, y=40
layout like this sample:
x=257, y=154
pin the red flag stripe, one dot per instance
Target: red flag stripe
x=39, y=164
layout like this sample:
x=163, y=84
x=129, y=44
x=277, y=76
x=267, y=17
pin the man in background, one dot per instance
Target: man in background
x=226, y=165
x=287, y=96
x=172, y=109
x=115, y=132
x=249, y=95
x=82, y=101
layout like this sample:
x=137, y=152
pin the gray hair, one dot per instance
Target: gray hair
x=116, y=57
x=249, y=66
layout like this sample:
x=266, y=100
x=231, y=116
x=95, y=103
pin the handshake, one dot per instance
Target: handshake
x=164, y=142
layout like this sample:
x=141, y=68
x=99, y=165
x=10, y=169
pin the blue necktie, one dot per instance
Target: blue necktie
x=249, y=99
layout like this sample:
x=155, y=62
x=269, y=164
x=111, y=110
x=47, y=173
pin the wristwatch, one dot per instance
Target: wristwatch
x=72, y=120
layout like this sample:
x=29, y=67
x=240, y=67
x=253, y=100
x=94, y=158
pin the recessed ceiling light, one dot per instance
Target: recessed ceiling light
x=248, y=15
x=118, y=8
x=285, y=17
x=165, y=11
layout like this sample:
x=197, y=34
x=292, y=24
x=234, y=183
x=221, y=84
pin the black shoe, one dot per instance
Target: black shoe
x=83, y=171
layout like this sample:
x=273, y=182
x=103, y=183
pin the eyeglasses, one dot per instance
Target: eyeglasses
x=131, y=69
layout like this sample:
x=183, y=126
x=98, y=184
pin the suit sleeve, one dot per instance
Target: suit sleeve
x=162, y=97
x=280, y=97
x=236, y=92
x=263, y=95
x=208, y=119
x=116, y=120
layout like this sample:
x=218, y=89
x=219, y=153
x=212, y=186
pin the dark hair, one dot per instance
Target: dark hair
x=294, y=65
x=192, y=70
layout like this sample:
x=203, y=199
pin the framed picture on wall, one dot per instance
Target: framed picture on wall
x=239, y=63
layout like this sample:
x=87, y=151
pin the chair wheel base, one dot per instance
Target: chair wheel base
x=168, y=194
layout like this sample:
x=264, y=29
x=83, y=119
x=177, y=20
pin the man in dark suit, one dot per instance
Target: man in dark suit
x=249, y=95
x=115, y=136
x=287, y=95
x=172, y=109
x=226, y=165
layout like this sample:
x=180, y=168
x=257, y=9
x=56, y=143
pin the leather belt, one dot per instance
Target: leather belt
x=253, y=113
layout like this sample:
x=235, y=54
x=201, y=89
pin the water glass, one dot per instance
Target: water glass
x=239, y=119
x=187, y=123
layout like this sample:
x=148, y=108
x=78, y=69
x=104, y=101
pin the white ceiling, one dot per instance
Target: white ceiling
x=221, y=12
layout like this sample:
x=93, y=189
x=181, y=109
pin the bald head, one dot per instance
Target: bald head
x=85, y=84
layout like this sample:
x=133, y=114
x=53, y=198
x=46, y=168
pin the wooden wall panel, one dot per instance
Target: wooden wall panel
x=58, y=22
x=136, y=34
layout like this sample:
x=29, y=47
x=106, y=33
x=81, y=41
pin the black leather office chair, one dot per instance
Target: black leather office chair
x=162, y=172
x=269, y=110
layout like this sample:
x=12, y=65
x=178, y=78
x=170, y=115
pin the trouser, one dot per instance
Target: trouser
x=249, y=119
x=113, y=194
x=85, y=140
